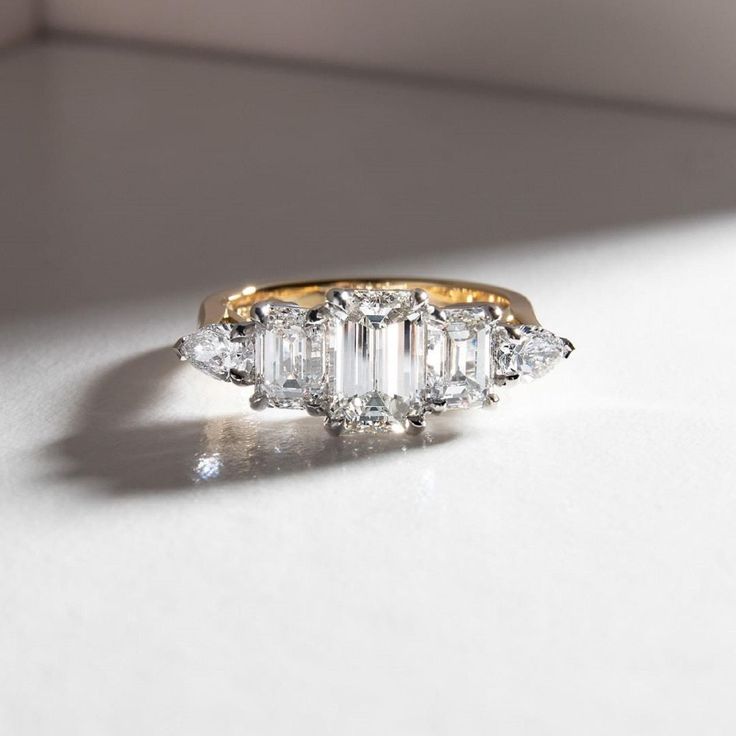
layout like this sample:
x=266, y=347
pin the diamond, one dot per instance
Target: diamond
x=528, y=351
x=459, y=366
x=288, y=357
x=211, y=350
x=378, y=308
x=376, y=359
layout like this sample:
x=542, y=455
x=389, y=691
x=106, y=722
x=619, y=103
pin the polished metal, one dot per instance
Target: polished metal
x=259, y=401
x=415, y=424
x=334, y=426
x=420, y=296
x=314, y=409
x=251, y=309
x=234, y=305
x=260, y=311
x=337, y=297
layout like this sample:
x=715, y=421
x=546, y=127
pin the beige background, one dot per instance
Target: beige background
x=675, y=52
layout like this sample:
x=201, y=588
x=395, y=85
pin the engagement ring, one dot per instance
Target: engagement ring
x=375, y=355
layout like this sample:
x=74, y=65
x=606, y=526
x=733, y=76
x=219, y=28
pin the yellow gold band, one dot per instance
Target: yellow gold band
x=234, y=306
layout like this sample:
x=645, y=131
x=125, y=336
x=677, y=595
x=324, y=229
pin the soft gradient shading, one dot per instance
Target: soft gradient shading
x=560, y=564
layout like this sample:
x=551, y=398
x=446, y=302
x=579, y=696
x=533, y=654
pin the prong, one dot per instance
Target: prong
x=240, y=331
x=420, y=297
x=490, y=400
x=259, y=311
x=314, y=409
x=338, y=298
x=569, y=347
x=239, y=379
x=501, y=379
x=514, y=331
x=436, y=313
x=415, y=424
x=493, y=312
x=178, y=346
x=438, y=406
x=334, y=426
x=315, y=316
x=258, y=401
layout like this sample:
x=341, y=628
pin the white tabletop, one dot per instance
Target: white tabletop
x=173, y=563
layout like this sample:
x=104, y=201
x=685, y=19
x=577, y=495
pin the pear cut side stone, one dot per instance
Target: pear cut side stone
x=211, y=350
x=530, y=353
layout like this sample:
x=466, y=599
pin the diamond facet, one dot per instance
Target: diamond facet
x=459, y=365
x=529, y=351
x=378, y=308
x=372, y=360
x=288, y=357
x=376, y=359
x=211, y=350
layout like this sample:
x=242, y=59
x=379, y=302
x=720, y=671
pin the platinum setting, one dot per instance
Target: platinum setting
x=373, y=360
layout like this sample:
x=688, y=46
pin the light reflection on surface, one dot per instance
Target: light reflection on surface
x=252, y=447
x=118, y=451
x=208, y=467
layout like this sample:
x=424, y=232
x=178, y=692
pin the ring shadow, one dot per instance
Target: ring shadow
x=121, y=455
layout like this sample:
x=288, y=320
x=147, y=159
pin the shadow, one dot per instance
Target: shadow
x=130, y=173
x=122, y=455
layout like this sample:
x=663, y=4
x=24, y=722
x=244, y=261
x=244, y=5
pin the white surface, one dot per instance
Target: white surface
x=663, y=51
x=561, y=565
x=18, y=19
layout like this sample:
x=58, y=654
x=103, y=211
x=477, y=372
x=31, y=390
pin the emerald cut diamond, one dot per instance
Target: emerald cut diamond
x=288, y=357
x=377, y=370
x=373, y=359
x=459, y=360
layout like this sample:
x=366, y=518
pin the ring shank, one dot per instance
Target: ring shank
x=234, y=306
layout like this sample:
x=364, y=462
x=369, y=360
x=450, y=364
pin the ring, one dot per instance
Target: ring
x=371, y=355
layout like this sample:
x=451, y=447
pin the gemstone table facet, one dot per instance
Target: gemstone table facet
x=288, y=358
x=459, y=360
x=376, y=359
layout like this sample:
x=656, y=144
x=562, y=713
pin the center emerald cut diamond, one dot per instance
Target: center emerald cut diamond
x=376, y=356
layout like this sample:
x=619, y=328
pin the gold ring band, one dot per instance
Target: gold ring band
x=371, y=355
x=234, y=306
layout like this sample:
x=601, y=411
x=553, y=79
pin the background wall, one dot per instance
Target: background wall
x=674, y=52
x=18, y=19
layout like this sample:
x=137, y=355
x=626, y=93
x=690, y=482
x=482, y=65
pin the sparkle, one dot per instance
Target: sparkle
x=460, y=369
x=289, y=358
x=212, y=350
x=530, y=353
x=370, y=360
x=376, y=354
x=208, y=467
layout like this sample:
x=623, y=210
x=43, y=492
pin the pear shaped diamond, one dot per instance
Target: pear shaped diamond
x=528, y=351
x=219, y=350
